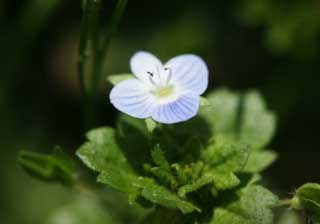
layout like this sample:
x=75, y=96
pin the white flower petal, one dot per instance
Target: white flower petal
x=143, y=63
x=132, y=97
x=182, y=109
x=189, y=71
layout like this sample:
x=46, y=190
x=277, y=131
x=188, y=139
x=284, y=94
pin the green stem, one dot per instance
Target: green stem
x=105, y=42
x=83, y=46
x=90, y=33
x=284, y=202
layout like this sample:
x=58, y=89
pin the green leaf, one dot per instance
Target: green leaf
x=133, y=139
x=252, y=205
x=258, y=124
x=115, y=79
x=259, y=160
x=204, y=102
x=160, y=195
x=83, y=210
x=102, y=151
x=151, y=124
x=205, y=179
x=307, y=197
x=240, y=117
x=147, y=188
x=58, y=166
x=224, y=160
x=222, y=114
x=224, y=156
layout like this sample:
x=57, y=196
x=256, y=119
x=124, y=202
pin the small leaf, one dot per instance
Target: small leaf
x=307, y=197
x=115, y=79
x=240, y=117
x=151, y=124
x=205, y=179
x=160, y=195
x=259, y=160
x=58, y=166
x=224, y=160
x=102, y=151
x=258, y=124
x=204, y=102
x=253, y=205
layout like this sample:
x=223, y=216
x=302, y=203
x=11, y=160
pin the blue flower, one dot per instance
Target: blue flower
x=168, y=93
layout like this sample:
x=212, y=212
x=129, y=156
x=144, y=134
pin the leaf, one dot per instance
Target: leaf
x=228, y=157
x=222, y=114
x=204, y=102
x=258, y=124
x=240, y=117
x=58, y=166
x=83, y=210
x=115, y=79
x=259, y=160
x=101, y=151
x=205, y=179
x=224, y=160
x=133, y=139
x=307, y=197
x=253, y=206
x=151, y=124
x=160, y=195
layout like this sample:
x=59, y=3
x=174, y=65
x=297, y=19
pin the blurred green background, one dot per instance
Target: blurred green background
x=272, y=46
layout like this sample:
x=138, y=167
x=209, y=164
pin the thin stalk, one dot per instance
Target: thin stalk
x=83, y=47
x=105, y=42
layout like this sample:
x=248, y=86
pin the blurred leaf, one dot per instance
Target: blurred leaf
x=115, y=79
x=58, y=166
x=151, y=124
x=258, y=124
x=204, y=101
x=290, y=217
x=242, y=118
x=253, y=206
x=307, y=197
x=84, y=209
x=133, y=139
x=259, y=160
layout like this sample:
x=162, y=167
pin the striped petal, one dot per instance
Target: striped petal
x=182, y=109
x=190, y=72
x=143, y=63
x=133, y=98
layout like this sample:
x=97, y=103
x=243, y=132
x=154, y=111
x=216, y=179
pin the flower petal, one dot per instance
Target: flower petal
x=133, y=98
x=182, y=109
x=142, y=63
x=189, y=71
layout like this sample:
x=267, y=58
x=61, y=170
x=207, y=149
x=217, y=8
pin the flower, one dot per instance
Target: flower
x=168, y=93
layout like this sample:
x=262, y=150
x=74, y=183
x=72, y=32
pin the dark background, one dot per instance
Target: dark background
x=267, y=45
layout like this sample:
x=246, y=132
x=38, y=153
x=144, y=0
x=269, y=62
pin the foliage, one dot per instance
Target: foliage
x=186, y=167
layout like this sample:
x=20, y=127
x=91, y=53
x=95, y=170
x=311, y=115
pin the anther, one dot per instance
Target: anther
x=150, y=73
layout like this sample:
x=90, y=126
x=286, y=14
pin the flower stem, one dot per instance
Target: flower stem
x=284, y=202
x=97, y=42
x=101, y=51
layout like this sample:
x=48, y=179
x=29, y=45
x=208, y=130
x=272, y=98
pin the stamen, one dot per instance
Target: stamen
x=150, y=73
x=169, y=75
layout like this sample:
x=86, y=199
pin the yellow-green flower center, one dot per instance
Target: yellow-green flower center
x=163, y=91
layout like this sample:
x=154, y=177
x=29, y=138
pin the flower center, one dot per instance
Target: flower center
x=163, y=91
